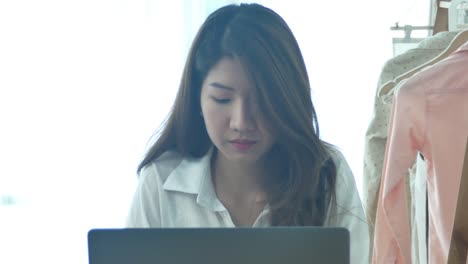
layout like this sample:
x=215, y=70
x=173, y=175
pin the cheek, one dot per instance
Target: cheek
x=269, y=138
x=214, y=119
x=268, y=134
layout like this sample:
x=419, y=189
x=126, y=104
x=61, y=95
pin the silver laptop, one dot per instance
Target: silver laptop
x=272, y=245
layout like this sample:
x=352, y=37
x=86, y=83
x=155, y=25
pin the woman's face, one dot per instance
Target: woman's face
x=231, y=113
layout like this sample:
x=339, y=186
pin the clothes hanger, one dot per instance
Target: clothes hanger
x=457, y=42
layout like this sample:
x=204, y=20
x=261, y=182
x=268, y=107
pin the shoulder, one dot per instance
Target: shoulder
x=347, y=195
x=175, y=172
x=343, y=171
x=335, y=154
x=348, y=212
x=145, y=210
x=160, y=168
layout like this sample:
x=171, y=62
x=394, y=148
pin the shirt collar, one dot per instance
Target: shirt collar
x=464, y=47
x=439, y=41
x=193, y=176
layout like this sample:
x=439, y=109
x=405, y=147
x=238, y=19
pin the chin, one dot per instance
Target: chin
x=247, y=158
x=238, y=156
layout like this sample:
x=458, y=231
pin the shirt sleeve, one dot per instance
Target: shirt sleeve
x=392, y=240
x=145, y=208
x=349, y=212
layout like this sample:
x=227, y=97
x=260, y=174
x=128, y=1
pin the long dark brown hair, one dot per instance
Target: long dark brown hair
x=301, y=180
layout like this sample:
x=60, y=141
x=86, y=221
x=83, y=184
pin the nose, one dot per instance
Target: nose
x=242, y=117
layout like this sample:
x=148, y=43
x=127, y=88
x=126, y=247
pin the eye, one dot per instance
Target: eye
x=221, y=100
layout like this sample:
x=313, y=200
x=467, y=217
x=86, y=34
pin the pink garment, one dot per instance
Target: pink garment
x=430, y=116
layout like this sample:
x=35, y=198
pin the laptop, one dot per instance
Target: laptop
x=272, y=245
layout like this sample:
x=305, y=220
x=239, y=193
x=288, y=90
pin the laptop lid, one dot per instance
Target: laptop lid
x=272, y=245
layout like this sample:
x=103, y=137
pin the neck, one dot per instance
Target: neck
x=239, y=181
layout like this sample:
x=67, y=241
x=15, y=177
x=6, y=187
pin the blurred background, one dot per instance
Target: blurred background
x=84, y=84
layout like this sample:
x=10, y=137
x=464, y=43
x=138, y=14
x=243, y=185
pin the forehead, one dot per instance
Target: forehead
x=230, y=72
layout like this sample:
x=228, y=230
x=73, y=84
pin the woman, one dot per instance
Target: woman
x=241, y=145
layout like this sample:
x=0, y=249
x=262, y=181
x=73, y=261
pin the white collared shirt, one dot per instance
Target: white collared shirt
x=174, y=191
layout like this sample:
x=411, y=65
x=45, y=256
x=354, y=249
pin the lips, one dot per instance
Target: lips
x=242, y=144
x=243, y=141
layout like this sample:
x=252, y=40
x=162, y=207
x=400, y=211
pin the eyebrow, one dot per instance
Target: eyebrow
x=221, y=86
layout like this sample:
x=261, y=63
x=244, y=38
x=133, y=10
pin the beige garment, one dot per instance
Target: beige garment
x=377, y=132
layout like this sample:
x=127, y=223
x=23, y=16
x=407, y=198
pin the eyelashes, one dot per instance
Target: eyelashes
x=221, y=100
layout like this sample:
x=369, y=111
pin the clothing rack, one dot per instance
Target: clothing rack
x=408, y=29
